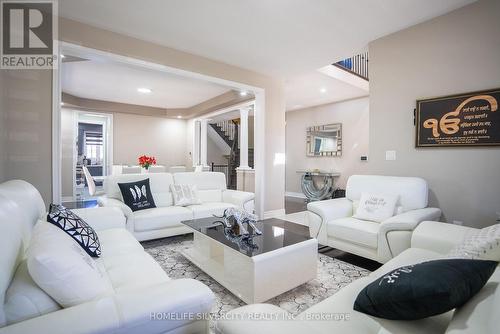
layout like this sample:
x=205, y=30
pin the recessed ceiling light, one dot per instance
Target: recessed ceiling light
x=179, y=116
x=144, y=90
x=63, y=56
x=62, y=103
x=243, y=93
x=322, y=90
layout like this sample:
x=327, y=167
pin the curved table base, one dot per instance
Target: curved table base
x=314, y=193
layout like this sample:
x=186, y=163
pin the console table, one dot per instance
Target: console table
x=312, y=192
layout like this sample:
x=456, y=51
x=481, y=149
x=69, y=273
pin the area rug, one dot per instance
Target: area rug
x=333, y=275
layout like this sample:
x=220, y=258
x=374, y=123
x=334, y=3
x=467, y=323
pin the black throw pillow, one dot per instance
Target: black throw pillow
x=137, y=195
x=425, y=289
x=76, y=228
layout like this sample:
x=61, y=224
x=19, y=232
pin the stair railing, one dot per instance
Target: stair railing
x=357, y=65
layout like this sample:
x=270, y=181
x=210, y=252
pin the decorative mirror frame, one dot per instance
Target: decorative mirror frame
x=326, y=127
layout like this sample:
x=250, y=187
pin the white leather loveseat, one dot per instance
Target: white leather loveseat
x=165, y=219
x=335, y=315
x=331, y=221
x=140, y=290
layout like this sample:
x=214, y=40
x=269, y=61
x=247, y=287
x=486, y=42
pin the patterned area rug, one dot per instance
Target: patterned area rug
x=333, y=275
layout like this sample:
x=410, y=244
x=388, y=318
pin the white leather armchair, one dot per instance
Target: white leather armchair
x=331, y=221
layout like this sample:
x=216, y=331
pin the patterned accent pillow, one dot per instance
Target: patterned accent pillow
x=184, y=194
x=483, y=244
x=376, y=207
x=76, y=228
x=137, y=195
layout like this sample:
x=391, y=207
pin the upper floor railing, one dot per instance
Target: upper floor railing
x=357, y=65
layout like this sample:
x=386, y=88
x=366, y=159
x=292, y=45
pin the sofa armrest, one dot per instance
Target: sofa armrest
x=391, y=244
x=260, y=318
x=102, y=218
x=321, y=212
x=439, y=237
x=112, y=202
x=138, y=311
x=241, y=199
x=409, y=220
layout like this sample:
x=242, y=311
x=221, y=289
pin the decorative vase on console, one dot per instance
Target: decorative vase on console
x=146, y=162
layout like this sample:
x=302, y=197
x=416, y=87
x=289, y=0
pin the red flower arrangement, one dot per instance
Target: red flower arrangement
x=145, y=161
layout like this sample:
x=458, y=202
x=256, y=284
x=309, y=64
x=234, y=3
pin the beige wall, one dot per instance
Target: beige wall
x=135, y=135
x=353, y=115
x=458, y=52
x=274, y=118
x=26, y=128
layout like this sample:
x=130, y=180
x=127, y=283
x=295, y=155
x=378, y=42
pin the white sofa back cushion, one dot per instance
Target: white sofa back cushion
x=210, y=185
x=24, y=299
x=62, y=268
x=29, y=202
x=159, y=183
x=412, y=191
x=11, y=247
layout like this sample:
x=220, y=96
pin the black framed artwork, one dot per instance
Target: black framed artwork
x=469, y=119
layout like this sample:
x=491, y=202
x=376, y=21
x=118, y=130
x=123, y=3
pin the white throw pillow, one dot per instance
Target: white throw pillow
x=482, y=245
x=62, y=268
x=184, y=194
x=376, y=207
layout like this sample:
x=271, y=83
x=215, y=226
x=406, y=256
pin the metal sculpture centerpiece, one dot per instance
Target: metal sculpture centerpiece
x=234, y=221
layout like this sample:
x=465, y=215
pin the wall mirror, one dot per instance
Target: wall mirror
x=324, y=140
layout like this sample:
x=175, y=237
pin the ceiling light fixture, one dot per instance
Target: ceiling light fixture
x=243, y=93
x=144, y=90
x=63, y=56
x=62, y=103
x=179, y=116
x=322, y=90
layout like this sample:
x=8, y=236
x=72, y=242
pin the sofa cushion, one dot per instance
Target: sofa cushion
x=158, y=218
x=412, y=191
x=76, y=228
x=209, y=209
x=117, y=241
x=341, y=304
x=184, y=194
x=24, y=299
x=159, y=183
x=483, y=244
x=480, y=314
x=361, y=232
x=133, y=270
x=422, y=290
x=202, y=180
x=137, y=195
x=62, y=268
x=214, y=195
x=376, y=207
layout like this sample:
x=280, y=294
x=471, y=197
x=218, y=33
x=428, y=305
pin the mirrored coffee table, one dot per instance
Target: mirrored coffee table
x=270, y=264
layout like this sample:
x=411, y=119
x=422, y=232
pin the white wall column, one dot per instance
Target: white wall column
x=203, y=142
x=244, y=139
x=196, y=143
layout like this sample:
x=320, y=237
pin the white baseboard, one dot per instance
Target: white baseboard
x=294, y=194
x=274, y=213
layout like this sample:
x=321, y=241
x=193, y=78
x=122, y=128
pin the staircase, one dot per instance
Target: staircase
x=228, y=131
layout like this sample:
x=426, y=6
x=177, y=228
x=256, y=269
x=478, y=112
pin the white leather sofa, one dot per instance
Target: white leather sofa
x=141, y=290
x=165, y=219
x=331, y=221
x=430, y=240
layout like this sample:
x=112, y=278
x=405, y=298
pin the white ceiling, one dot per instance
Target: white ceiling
x=278, y=37
x=117, y=82
x=315, y=88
